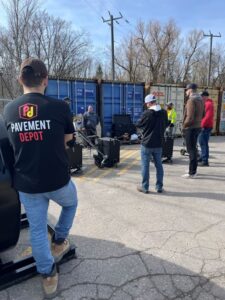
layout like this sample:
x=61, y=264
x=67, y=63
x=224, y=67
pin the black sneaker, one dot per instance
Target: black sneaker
x=203, y=164
x=167, y=160
x=159, y=190
x=140, y=189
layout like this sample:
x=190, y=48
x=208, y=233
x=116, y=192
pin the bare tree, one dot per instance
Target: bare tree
x=155, y=41
x=190, y=54
x=33, y=33
x=128, y=59
x=19, y=14
x=64, y=50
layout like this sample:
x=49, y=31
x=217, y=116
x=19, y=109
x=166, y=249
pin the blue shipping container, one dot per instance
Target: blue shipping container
x=58, y=89
x=111, y=103
x=120, y=98
x=134, y=100
x=83, y=95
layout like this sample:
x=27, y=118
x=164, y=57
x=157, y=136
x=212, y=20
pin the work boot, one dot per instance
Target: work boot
x=50, y=283
x=59, y=250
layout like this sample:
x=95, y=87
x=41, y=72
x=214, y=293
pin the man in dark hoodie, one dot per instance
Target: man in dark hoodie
x=153, y=123
x=193, y=114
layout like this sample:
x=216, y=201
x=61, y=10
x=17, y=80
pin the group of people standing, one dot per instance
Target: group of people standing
x=39, y=129
x=197, y=126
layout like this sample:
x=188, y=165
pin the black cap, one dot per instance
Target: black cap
x=205, y=93
x=66, y=99
x=191, y=86
x=36, y=65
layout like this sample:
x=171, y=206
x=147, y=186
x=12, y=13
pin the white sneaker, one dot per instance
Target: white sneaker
x=188, y=176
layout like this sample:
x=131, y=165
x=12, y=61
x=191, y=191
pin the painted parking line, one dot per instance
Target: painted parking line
x=106, y=172
x=134, y=162
x=94, y=168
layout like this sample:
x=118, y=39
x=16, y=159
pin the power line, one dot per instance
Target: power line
x=92, y=7
x=211, y=36
x=110, y=22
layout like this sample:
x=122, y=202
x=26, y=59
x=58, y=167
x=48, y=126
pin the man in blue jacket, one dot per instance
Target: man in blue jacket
x=153, y=123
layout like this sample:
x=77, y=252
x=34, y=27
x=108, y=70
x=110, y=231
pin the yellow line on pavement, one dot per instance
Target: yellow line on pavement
x=94, y=168
x=128, y=167
x=106, y=172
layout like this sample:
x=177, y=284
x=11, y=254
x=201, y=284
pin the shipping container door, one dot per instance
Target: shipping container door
x=222, y=115
x=83, y=95
x=160, y=92
x=58, y=89
x=111, y=103
x=176, y=95
x=134, y=100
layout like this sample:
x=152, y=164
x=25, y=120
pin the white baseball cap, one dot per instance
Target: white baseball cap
x=150, y=98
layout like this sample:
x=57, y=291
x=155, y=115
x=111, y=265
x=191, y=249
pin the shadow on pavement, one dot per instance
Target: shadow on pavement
x=110, y=270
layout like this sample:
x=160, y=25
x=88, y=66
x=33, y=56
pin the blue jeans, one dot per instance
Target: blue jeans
x=203, y=140
x=36, y=207
x=146, y=155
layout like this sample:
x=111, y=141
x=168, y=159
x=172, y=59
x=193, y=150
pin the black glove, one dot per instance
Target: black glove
x=72, y=142
x=171, y=125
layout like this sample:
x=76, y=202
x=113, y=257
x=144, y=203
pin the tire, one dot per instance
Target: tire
x=182, y=151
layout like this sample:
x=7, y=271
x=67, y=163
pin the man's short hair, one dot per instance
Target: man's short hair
x=205, y=93
x=191, y=86
x=32, y=72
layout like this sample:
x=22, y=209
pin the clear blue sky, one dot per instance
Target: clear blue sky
x=193, y=14
x=86, y=14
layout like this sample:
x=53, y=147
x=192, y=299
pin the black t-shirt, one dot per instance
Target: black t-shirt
x=36, y=126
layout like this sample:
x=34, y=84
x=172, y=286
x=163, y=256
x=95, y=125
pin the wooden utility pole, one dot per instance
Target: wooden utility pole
x=110, y=23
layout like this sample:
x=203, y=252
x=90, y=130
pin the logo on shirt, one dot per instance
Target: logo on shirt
x=28, y=111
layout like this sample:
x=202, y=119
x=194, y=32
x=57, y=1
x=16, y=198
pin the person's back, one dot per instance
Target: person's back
x=206, y=128
x=194, y=111
x=36, y=126
x=152, y=124
x=39, y=128
x=207, y=120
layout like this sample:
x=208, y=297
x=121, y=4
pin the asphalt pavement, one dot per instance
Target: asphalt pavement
x=135, y=246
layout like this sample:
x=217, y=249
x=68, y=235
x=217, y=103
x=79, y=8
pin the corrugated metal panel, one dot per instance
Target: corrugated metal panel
x=222, y=115
x=58, y=89
x=134, y=100
x=160, y=92
x=83, y=95
x=111, y=103
x=166, y=93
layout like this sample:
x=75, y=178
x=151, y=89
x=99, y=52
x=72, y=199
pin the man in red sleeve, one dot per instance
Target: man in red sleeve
x=207, y=126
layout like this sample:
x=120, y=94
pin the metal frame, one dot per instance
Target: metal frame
x=14, y=272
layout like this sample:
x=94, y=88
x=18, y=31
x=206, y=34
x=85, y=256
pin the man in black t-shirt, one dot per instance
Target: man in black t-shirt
x=39, y=128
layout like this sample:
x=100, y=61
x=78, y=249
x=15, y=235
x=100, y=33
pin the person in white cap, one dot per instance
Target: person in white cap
x=152, y=124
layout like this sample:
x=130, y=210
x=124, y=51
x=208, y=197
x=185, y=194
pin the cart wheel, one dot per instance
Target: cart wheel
x=182, y=152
